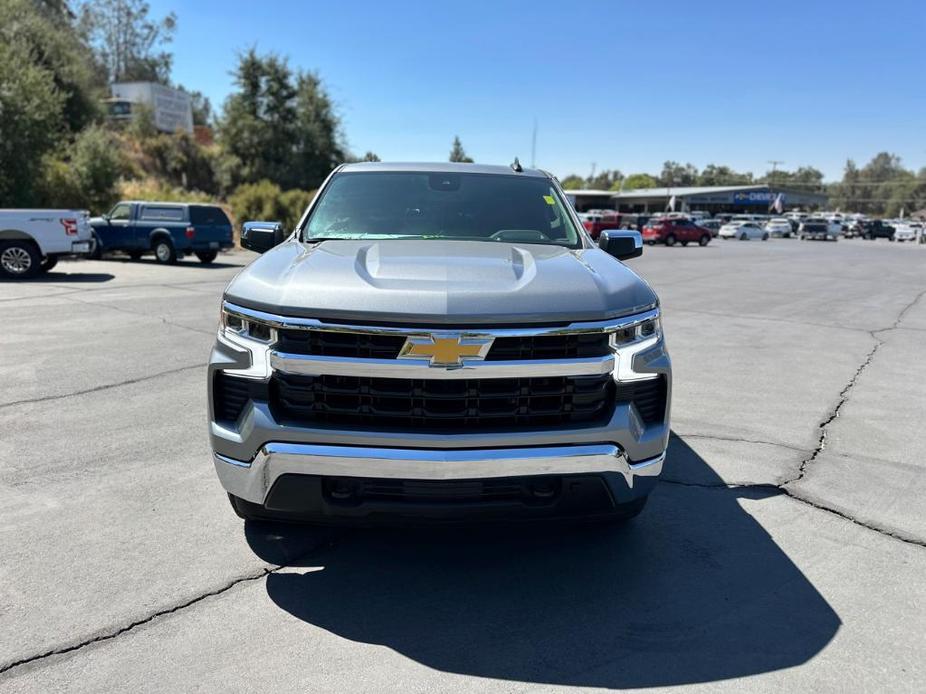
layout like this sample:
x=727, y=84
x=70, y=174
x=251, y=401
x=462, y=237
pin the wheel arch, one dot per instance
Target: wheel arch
x=157, y=234
x=16, y=235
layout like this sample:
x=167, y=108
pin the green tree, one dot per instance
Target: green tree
x=180, y=161
x=714, y=175
x=277, y=126
x=201, y=106
x=370, y=156
x=457, y=153
x=573, y=182
x=87, y=176
x=605, y=180
x=675, y=174
x=805, y=178
x=45, y=32
x=128, y=42
x=638, y=181
x=31, y=120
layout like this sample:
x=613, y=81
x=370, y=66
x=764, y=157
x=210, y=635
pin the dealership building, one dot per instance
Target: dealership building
x=748, y=199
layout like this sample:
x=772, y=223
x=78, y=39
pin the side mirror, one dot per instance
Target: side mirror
x=621, y=243
x=260, y=237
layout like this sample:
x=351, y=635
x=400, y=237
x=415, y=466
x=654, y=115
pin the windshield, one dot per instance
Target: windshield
x=425, y=205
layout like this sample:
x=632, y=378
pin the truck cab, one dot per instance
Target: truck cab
x=167, y=229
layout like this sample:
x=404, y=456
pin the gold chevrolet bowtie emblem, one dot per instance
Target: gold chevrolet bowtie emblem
x=445, y=350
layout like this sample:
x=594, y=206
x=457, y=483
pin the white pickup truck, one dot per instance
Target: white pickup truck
x=31, y=241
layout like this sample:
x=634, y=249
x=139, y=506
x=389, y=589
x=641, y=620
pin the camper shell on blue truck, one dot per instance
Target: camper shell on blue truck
x=169, y=230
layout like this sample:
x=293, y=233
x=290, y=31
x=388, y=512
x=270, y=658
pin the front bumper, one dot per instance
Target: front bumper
x=253, y=480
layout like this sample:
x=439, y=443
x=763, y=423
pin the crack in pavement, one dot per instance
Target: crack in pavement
x=785, y=487
x=96, y=389
x=326, y=543
x=736, y=439
x=844, y=393
x=139, y=313
x=778, y=490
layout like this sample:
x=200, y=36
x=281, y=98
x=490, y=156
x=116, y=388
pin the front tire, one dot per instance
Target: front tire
x=164, y=252
x=765, y=237
x=704, y=240
x=744, y=237
x=206, y=257
x=20, y=259
x=670, y=240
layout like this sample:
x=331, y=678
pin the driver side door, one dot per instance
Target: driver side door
x=116, y=234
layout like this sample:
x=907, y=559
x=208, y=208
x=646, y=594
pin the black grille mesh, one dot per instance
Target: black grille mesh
x=449, y=405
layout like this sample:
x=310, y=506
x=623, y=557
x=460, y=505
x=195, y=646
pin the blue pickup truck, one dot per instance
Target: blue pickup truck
x=167, y=229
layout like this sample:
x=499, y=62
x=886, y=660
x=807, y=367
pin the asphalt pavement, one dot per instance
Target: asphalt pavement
x=784, y=550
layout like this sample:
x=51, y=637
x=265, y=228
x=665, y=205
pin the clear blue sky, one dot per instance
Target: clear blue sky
x=623, y=84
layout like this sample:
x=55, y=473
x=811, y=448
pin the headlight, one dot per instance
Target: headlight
x=630, y=341
x=245, y=326
x=651, y=328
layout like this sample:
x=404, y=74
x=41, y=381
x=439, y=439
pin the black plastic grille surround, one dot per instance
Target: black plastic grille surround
x=373, y=346
x=231, y=394
x=648, y=396
x=452, y=406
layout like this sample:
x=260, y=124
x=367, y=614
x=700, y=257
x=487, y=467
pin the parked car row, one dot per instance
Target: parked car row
x=32, y=241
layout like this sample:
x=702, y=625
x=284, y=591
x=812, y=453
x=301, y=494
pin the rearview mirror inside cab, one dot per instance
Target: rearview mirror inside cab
x=621, y=243
x=261, y=236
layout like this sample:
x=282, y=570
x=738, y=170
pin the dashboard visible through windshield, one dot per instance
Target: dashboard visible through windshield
x=432, y=205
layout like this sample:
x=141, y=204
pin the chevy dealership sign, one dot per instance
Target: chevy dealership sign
x=755, y=197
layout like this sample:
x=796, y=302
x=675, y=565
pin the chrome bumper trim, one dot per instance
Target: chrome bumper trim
x=252, y=480
x=314, y=365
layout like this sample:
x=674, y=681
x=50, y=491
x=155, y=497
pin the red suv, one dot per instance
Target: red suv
x=672, y=230
x=597, y=221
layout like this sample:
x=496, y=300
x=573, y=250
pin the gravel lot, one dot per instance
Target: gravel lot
x=784, y=550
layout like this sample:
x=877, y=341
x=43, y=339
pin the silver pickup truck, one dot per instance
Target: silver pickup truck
x=438, y=342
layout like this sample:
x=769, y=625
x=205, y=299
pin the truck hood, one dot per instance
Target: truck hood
x=439, y=282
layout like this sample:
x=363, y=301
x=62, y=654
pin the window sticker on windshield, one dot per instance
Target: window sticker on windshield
x=549, y=199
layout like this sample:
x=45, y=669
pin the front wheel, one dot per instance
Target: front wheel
x=704, y=240
x=765, y=237
x=743, y=237
x=670, y=240
x=164, y=252
x=206, y=257
x=20, y=259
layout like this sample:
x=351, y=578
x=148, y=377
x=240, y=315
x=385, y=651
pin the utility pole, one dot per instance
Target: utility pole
x=774, y=163
x=592, y=174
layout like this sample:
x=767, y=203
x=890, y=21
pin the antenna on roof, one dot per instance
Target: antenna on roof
x=517, y=166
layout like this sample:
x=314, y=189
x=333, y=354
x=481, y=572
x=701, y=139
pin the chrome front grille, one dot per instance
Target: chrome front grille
x=358, y=345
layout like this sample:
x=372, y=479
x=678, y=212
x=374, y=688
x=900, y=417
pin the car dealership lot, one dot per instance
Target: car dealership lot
x=778, y=553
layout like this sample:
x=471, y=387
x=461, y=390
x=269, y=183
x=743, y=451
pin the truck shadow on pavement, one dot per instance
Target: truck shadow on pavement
x=693, y=590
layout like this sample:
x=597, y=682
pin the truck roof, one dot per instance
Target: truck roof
x=440, y=167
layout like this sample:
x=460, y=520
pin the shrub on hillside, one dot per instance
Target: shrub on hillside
x=265, y=201
x=87, y=175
